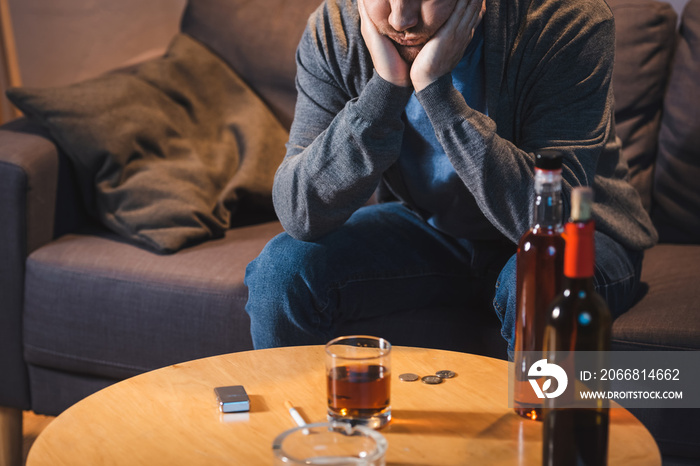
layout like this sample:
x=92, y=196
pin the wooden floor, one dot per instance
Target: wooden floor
x=32, y=425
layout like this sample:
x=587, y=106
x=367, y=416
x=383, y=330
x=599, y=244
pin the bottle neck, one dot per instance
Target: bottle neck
x=547, y=212
x=579, y=254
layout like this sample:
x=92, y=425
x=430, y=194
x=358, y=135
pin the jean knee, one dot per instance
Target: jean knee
x=504, y=301
x=273, y=263
x=283, y=283
x=280, y=268
x=617, y=273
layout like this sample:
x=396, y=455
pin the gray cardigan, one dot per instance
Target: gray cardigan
x=548, y=67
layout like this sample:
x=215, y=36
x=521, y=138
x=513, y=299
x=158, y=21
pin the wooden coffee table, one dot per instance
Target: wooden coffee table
x=170, y=416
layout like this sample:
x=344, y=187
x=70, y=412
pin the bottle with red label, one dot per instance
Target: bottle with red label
x=540, y=260
x=578, y=320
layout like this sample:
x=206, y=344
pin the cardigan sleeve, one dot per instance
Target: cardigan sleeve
x=339, y=143
x=558, y=85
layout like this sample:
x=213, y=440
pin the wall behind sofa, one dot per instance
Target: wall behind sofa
x=678, y=5
x=64, y=41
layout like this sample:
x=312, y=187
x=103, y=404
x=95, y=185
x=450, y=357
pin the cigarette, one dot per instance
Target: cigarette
x=295, y=414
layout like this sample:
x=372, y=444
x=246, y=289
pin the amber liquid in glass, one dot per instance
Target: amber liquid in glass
x=358, y=391
x=539, y=276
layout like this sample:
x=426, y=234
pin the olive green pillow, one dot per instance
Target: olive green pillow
x=168, y=153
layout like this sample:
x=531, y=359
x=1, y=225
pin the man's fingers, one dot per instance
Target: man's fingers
x=363, y=12
x=444, y=50
x=467, y=15
x=387, y=62
x=363, y=15
x=475, y=13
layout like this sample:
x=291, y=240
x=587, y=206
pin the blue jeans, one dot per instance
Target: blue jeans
x=616, y=279
x=385, y=259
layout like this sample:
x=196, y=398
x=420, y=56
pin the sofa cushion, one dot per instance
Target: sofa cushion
x=167, y=150
x=666, y=316
x=676, y=212
x=645, y=33
x=258, y=40
x=124, y=311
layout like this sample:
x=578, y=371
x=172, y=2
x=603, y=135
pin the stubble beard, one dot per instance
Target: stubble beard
x=408, y=54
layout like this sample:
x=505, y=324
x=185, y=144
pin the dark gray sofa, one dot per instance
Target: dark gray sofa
x=81, y=308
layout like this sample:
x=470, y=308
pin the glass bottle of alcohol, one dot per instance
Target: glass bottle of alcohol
x=540, y=260
x=578, y=320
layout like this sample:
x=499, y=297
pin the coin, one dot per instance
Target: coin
x=409, y=377
x=431, y=379
x=445, y=374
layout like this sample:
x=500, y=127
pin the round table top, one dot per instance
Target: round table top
x=170, y=416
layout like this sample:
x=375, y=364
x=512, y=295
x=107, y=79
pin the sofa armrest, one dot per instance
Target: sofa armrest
x=28, y=182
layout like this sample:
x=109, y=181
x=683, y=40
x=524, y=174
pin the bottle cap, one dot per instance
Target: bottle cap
x=548, y=159
x=581, y=203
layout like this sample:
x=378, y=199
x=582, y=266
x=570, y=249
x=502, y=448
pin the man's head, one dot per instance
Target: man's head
x=409, y=23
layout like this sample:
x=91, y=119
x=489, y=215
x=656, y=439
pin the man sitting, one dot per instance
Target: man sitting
x=443, y=103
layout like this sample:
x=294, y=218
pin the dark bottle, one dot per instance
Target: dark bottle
x=540, y=260
x=579, y=320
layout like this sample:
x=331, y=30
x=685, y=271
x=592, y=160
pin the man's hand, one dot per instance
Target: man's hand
x=446, y=48
x=387, y=61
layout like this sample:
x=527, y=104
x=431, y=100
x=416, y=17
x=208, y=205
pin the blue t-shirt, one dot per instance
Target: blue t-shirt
x=437, y=191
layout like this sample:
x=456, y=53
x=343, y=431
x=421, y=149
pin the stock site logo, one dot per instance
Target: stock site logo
x=544, y=369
